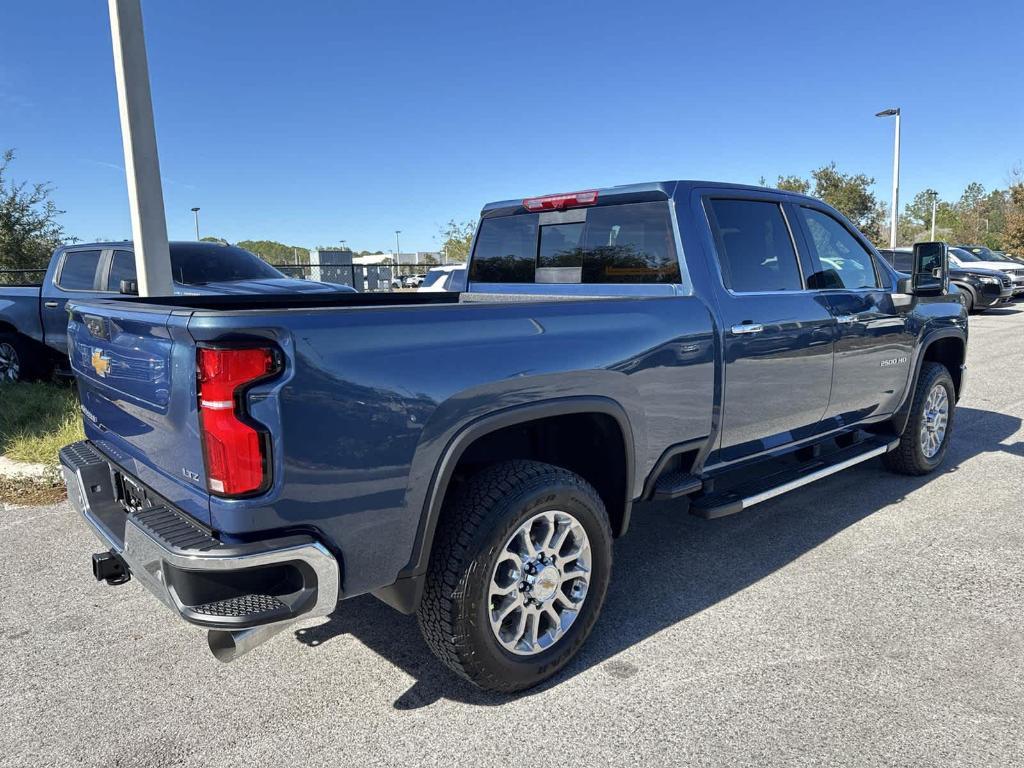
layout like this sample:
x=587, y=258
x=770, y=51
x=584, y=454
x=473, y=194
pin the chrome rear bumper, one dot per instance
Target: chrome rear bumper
x=223, y=587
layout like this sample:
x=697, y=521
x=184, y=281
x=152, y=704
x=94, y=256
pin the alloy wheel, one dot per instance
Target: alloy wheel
x=935, y=422
x=539, y=583
x=10, y=365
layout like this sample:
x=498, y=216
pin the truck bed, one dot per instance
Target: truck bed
x=372, y=390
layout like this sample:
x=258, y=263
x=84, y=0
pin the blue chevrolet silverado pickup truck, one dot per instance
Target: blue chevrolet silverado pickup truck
x=34, y=319
x=471, y=456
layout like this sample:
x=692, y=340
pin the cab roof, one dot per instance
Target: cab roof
x=637, y=193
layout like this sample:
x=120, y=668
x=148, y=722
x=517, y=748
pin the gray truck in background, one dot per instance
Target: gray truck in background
x=34, y=318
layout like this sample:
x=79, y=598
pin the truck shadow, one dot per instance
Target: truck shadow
x=672, y=565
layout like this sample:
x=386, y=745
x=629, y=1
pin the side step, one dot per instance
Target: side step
x=745, y=495
x=675, y=484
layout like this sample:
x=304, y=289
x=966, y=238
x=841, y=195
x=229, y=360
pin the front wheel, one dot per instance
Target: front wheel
x=517, y=575
x=925, y=439
x=967, y=300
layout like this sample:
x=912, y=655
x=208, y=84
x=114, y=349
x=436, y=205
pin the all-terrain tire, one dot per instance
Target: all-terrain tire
x=472, y=531
x=909, y=457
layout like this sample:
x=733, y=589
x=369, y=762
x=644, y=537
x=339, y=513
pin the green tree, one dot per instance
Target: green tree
x=456, y=238
x=29, y=230
x=275, y=252
x=916, y=220
x=794, y=184
x=851, y=195
x=973, y=222
x=1013, y=232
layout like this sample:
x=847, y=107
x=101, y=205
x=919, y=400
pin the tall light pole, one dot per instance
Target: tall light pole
x=141, y=162
x=195, y=212
x=398, y=249
x=935, y=205
x=894, y=112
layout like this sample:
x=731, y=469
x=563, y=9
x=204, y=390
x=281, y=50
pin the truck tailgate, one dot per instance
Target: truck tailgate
x=136, y=372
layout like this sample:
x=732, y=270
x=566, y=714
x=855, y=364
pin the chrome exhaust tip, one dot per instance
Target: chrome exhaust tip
x=228, y=645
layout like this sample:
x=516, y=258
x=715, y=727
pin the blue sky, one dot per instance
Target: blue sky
x=310, y=122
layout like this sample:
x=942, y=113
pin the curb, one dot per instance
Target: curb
x=23, y=470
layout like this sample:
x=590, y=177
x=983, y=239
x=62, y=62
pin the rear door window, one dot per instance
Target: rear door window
x=755, y=249
x=78, y=273
x=633, y=243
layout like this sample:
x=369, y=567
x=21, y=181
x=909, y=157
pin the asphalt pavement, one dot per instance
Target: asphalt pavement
x=868, y=619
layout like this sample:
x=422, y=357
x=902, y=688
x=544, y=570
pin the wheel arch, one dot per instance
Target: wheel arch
x=947, y=346
x=481, y=441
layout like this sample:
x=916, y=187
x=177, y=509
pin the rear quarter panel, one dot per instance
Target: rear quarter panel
x=372, y=397
x=19, y=308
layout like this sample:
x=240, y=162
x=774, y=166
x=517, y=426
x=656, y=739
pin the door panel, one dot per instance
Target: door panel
x=777, y=380
x=872, y=355
x=873, y=346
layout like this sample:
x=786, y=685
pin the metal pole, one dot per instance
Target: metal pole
x=935, y=204
x=398, y=248
x=141, y=162
x=195, y=212
x=895, y=185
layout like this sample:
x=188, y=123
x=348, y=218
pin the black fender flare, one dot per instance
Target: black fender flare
x=405, y=593
x=902, y=414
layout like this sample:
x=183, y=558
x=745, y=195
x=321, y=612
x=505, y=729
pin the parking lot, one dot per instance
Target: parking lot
x=868, y=619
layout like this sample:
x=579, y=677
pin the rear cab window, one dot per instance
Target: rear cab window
x=622, y=243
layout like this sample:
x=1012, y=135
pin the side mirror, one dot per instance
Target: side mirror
x=931, y=269
x=130, y=287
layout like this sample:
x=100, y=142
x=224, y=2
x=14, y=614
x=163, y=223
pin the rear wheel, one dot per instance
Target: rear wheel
x=925, y=439
x=517, y=576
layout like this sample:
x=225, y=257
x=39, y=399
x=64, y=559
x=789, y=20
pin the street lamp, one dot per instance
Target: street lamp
x=398, y=248
x=894, y=112
x=935, y=205
x=195, y=212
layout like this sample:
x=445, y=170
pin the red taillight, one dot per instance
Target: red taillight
x=558, y=202
x=235, y=451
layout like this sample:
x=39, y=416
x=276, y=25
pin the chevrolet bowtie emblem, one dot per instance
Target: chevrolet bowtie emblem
x=100, y=363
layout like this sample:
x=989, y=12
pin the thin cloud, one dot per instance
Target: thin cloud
x=166, y=180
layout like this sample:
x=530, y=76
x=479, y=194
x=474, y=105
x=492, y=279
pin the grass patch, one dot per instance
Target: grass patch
x=37, y=420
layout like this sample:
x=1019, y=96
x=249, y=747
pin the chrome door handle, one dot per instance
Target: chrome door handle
x=50, y=304
x=846, y=319
x=742, y=328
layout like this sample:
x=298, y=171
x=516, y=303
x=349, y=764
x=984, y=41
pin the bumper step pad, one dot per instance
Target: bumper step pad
x=242, y=606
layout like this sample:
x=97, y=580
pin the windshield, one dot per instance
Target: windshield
x=198, y=263
x=983, y=253
x=961, y=255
